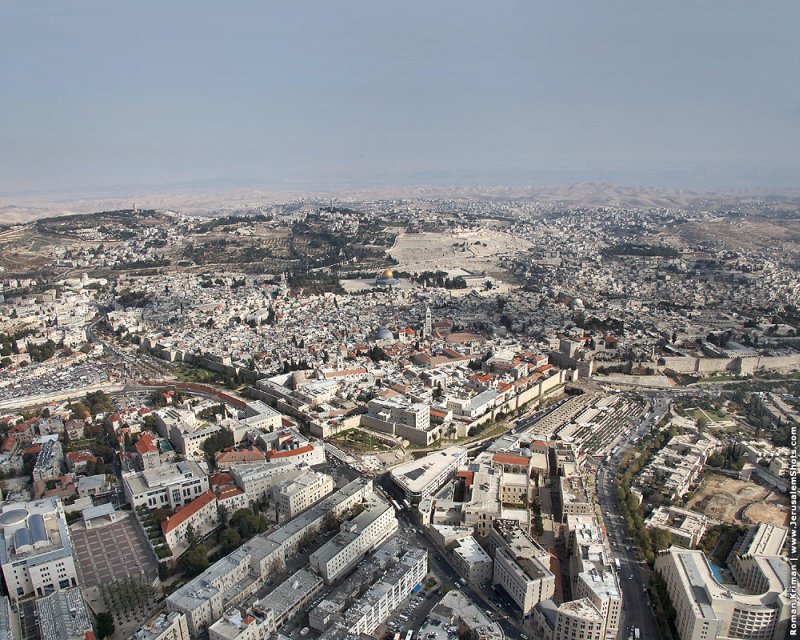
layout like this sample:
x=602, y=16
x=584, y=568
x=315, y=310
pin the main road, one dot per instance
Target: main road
x=636, y=606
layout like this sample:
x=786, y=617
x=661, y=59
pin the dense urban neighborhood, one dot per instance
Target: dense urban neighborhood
x=426, y=418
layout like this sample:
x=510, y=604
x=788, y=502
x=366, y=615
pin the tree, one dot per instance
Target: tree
x=247, y=523
x=217, y=442
x=195, y=560
x=191, y=536
x=105, y=624
x=229, y=539
x=99, y=402
x=661, y=539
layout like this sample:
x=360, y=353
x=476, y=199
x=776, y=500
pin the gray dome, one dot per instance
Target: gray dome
x=38, y=530
x=13, y=516
x=384, y=334
x=22, y=538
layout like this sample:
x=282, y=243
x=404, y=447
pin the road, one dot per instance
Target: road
x=143, y=367
x=637, y=610
x=485, y=598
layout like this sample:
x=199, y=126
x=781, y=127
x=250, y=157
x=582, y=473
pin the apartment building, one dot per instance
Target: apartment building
x=147, y=451
x=237, y=576
x=378, y=586
x=35, y=548
x=269, y=613
x=288, y=445
x=290, y=597
x=579, y=620
x=521, y=566
x=63, y=615
x=230, y=580
x=471, y=561
x=291, y=497
x=10, y=627
x=257, y=480
x=200, y=515
x=456, y=611
x=591, y=575
x=676, y=467
x=575, y=499
x=686, y=527
x=170, y=625
x=356, y=537
x=49, y=460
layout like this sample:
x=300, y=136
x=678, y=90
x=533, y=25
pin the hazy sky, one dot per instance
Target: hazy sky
x=99, y=96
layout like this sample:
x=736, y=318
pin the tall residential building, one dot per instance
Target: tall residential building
x=35, y=548
x=356, y=537
x=294, y=496
x=590, y=571
x=368, y=596
x=579, y=620
x=759, y=607
x=169, y=625
x=521, y=566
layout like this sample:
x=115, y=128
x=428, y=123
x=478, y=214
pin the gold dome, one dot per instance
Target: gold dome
x=387, y=274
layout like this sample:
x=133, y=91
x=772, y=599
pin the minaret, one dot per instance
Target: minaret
x=428, y=330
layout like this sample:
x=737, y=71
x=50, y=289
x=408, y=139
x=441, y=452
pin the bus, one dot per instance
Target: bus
x=636, y=633
x=409, y=634
x=407, y=505
x=616, y=563
x=397, y=506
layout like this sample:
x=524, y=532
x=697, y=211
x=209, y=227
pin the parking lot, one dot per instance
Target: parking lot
x=411, y=616
x=57, y=376
x=112, y=551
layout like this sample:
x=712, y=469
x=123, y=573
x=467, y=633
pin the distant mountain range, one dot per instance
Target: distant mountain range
x=225, y=202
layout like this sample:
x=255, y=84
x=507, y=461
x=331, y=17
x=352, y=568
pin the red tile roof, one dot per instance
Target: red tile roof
x=220, y=479
x=289, y=453
x=184, y=513
x=468, y=476
x=145, y=444
x=507, y=458
x=80, y=456
x=245, y=455
x=228, y=492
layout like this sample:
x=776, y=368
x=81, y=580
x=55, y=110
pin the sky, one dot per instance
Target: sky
x=122, y=97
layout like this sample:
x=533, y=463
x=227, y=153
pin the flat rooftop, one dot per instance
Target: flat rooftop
x=415, y=476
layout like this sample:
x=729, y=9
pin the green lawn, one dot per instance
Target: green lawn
x=358, y=440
